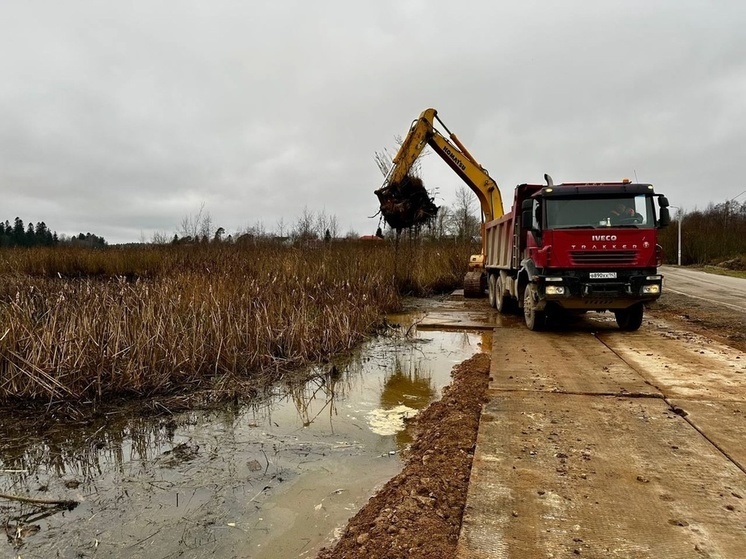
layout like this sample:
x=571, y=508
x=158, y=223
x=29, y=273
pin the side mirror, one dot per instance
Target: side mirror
x=662, y=201
x=527, y=215
x=665, y=218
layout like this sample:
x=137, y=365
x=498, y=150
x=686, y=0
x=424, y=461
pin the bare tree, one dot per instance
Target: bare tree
x=321, y=223
x=281, y=227
x=442, y=222
x=384, y=160
x=191, y=225
x=333, y=226
x=465, y=223
x=257, y=230
x=205, y=227
x=304, y=229
x=160, y=238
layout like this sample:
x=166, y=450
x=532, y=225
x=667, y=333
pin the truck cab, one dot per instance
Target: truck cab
x=575, y=247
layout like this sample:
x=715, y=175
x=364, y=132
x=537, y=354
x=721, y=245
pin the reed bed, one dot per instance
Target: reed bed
x=81, y=325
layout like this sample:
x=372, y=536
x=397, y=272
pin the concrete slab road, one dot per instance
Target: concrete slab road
x=609, y=444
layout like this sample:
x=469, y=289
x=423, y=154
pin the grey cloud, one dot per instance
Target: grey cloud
x=123, y=118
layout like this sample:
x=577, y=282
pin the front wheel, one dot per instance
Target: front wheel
x=629, y=319
x=534, y=319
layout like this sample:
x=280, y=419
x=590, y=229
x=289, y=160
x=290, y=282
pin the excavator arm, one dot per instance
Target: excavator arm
x=397, y=209
x=453, y=152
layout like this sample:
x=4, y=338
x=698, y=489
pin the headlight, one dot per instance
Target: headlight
x=651, y=289
x=555, y=290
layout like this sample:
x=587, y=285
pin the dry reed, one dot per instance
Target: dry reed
x=87, y=325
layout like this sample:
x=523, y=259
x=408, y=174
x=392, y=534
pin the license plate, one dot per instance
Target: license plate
x=603, y=275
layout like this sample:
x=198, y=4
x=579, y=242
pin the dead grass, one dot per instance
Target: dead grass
x=735, y=268
x=86, y=325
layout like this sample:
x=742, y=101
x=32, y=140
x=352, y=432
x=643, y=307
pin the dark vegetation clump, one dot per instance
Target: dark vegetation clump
x=737, y=264
x=406, y=203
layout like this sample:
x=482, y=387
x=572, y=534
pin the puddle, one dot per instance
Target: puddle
x=273, y=479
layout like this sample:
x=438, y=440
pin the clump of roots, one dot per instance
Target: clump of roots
x=406, y=203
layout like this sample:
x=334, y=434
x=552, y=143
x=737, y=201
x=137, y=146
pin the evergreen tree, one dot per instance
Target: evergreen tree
x=19, y=233
x=30, y=235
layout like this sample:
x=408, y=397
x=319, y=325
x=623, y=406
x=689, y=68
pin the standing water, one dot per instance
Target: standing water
x=272, y=479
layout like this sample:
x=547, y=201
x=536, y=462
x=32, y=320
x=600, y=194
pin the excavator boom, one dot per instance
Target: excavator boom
x=423, y=133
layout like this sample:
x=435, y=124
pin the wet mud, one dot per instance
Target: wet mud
x=276, y=478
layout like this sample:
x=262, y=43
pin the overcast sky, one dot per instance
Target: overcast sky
x=123, y=118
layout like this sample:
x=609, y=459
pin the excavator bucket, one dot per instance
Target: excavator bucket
x=406, y=203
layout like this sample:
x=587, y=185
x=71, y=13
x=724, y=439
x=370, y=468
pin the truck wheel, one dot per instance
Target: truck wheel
x=502, y=302
x=629, y=319
x=491, y=290
x=534, y=319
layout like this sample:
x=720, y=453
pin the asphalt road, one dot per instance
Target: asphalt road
x=721, y=290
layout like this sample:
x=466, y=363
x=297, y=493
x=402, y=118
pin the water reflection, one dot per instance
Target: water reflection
x=187, y=476
x=407, y=389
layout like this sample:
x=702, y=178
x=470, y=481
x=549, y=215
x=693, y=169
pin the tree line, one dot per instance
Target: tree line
x=710, y=236
x=457, y=223
x=714, y=235
x=35, y=235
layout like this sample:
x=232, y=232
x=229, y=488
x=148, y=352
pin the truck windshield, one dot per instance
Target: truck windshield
x=622, y=211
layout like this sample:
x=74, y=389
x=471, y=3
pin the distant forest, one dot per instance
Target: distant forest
x=18, y=235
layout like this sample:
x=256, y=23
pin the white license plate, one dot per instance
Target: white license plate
x=603, y=275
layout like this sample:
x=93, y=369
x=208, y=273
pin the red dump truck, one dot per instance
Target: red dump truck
x=576, y=247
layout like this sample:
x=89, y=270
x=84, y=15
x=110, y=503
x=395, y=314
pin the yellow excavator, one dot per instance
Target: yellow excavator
x=452, y=151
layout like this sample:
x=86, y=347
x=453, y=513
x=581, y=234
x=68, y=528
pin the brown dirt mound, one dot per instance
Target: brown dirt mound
x=406, y=203
x=418, y=513
x=738, y=264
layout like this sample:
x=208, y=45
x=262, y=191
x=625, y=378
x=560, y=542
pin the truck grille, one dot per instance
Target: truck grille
x=603, y=256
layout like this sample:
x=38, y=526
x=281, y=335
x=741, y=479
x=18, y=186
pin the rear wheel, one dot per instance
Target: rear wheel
x=502, y=301
x=534, y=319
x=630, y=319
x=491, y=289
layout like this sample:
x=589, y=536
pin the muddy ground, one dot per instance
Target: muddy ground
x=418, y=513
